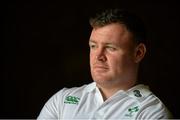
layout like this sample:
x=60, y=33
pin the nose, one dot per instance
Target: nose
x=101, y=56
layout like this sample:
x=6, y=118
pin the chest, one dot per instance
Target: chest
x=91, y=107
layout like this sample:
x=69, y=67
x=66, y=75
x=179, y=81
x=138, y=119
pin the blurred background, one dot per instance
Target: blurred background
x=45, y=48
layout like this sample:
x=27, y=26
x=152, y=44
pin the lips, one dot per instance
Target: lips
x=100, y=67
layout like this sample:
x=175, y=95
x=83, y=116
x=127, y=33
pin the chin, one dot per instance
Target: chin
x=100, y=79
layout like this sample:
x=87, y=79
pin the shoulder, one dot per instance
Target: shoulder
x=151, y=106
x=54, y=106
x=74, y=92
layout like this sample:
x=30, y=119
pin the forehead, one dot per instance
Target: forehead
x=112, y=33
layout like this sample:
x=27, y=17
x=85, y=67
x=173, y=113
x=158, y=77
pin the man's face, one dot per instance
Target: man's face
x=112, y=53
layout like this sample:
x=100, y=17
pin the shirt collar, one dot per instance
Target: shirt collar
x=138, y=91
x=90, y=87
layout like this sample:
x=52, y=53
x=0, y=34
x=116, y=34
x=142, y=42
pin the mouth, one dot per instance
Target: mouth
x=98, y=67
x=102, y=67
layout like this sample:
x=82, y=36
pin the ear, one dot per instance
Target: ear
x=140, y=52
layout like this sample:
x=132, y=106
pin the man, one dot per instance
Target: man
x=117, y=46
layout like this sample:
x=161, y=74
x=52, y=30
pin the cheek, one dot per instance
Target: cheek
x=115, y=63
x=91, y=57
x=118, y=63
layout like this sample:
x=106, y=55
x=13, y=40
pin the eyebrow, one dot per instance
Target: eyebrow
x=92, y=41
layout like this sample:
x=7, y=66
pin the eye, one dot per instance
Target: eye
x=92, y=46
x=111, y=48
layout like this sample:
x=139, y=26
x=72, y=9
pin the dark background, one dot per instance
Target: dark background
x=45, y=48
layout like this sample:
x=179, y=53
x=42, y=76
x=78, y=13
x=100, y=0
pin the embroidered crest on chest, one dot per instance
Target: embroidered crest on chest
x=71, y=100
x=132, y=111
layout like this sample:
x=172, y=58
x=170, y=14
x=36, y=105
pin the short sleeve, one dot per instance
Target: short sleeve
x=155, y=112
x=51, y=109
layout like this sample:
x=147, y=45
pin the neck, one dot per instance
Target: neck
x=109, y=90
